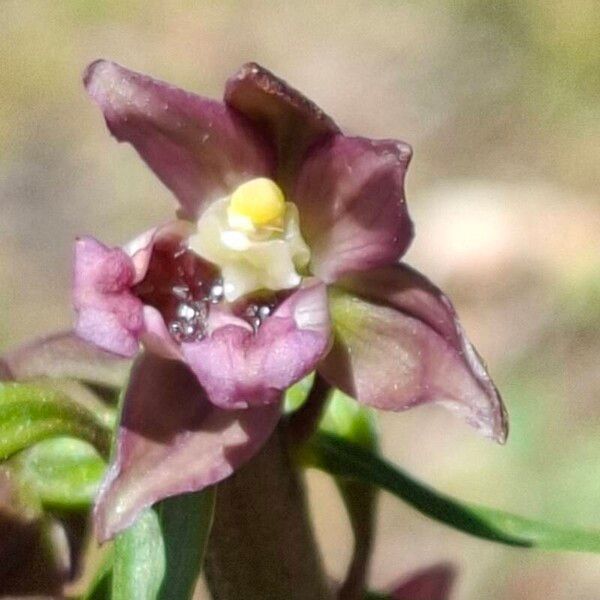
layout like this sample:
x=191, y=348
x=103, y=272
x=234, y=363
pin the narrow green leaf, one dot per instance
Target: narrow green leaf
x=185, y=522
x=342, y=459
x=30, y=413
x=139, y=560
x=64, y=473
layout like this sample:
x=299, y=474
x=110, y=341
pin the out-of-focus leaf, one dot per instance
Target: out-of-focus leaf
x=64, y=473
x=139, y=560
x=296, y=395
x=30, y=413
x=343, y=459
x=101, y=586
x=85, y=396
x=185, y=522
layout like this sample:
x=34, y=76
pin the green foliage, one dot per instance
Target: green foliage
x=185, y=523
x=139, y=562
x=32, y=413
x=160, y=556
x=63, y=473
x=342, y=459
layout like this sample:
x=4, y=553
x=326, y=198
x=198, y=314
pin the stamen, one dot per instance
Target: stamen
x=254, y=236
x=256, y=203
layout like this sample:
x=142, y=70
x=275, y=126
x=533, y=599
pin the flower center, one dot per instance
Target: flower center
x=181, y=286
x=254, y=237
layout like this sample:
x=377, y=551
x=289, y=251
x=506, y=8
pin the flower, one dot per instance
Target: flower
x=431, y=583
x=284, y=258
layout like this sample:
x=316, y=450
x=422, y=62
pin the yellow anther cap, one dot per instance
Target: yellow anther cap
x=260, y=200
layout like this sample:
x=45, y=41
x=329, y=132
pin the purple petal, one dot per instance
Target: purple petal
x=399, y=344
x=198, y=147
x=66, y=355
x=432, y=583
x=350, y=194
x=108, y=314
x=291, y=119
x=239, y=368
x=172, y=440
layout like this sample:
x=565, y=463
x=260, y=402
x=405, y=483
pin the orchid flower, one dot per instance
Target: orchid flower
x=283, y=259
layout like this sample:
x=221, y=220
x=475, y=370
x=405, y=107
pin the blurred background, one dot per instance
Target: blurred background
x=500, y=101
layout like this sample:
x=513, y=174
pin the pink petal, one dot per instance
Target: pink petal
x=66, y=355
x=239, y=368
x=432, y=583
x=140, y=248
x=172, y=440
x=199, y=148
x=350, y=194
x=108, y=314
x=399, y=344
x=291, y=119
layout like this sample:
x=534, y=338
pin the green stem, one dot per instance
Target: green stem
x=262, y=545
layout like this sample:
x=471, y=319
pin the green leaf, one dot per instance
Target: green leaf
x=185, y=522
x=342, y=459
x=30, y=413
x=161, y=555
x=64, y=473
x=296, y=395
x=139, y=560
